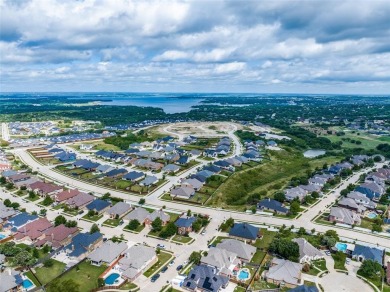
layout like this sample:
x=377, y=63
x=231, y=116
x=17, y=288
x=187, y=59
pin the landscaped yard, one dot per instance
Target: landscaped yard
x=182, y=239
x=92, y=218
x=112, y=222
x=258, y=257
x=320, y=264
x=129, y=286
x=138, y=230
x=163, y=259
x=45, y=275
x=265, y=241
x=86, y=276
x=339, y=261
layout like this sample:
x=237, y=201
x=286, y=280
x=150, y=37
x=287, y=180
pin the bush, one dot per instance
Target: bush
x=48, y=263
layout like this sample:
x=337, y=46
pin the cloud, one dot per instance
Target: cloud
x=182, y=45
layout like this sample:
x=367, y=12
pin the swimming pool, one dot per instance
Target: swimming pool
x=372, y=215
x=243, y=274
x=111, y=279
x=341, y=246
x=27, y=284
x=2, y=236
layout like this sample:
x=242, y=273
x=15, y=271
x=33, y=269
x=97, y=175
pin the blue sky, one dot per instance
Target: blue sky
x=195, y=46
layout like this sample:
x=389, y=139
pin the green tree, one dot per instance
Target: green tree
x=141, y=201
x=195, y=257
x=24, y=258
x=280, y=197
x=294, y=207
x=169, y=230
x=285, y=248
x=370, y=269
x=47, y=201
x=133, y=224
x=157, y=224
x=94, y=229
x=48, y=263
x=7, y=203
x=35, y=253
x=59, y=220
x=46, y=248
x=71, y=223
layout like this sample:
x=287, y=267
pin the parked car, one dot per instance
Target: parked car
x=171, y=263
x=347, y=261
x=154, y=278
x=179, y=267
x=163, y=270
x=161, y=246
x=203, y=232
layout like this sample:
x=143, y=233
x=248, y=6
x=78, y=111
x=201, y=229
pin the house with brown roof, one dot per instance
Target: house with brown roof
x=58, y=236
x=18, y=177
x=65, y=195
x=45, y=189
x=80, y=201
x=33, y=231
x=157, y=214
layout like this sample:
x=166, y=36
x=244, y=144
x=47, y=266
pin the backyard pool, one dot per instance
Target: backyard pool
x=372, y=215
x=2, y=236
x=27, y=284
x=112, y=279
x=243, y=275
x=341, y=246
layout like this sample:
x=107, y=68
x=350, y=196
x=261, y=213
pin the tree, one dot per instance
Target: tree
x=189, y=213
x=285, y=248
x=47, y=201
x=195, y=257
x=15, y=205
x=91, y=213
x=301, y=231
x=59, y=220
x=169, y=230
x=2, y=180
x=7, y=203
x=71, y=223
x=141, y=201
x=197, y=225
x=133, y=224
x=294, y=207
x=101, y=282
x=280, y=197
x=24, y=258
x=332, y=233
x=370, y=269
x=46, y=248
x=376, y=228
x=315, y=195
x=157, y=224
x=35, y=253
x=48, y=263
x=94, y=229
x=42, y=212
x=106, y=196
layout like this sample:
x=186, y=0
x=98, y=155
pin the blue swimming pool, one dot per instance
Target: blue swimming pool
x=27, y=284
x=372, y=215
x=243, y=275
x=2, y=236
x=110, y=280
x=341, y=246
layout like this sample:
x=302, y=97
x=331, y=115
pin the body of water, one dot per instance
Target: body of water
x=312, y=153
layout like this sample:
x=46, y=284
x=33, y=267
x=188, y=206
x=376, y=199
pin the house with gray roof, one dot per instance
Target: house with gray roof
x=310, y=188
x=244, y=251
x=307, y=252
x=222, y=260
x=118, y=210
x=192, y=183
x=136, y=260
x=139, y=214
x=183, y=192
x=351, y=204
x=103, y=168
x=148, y=181
x=361, y=199
x=244, y=231
x=344, y=216
x=295, y=193
x=283, y=272
x=10, y=280
x=5, y=212
x=171, y=168
x=158, y=214
x=204, y=278
x=80, y=201
x=107, y=253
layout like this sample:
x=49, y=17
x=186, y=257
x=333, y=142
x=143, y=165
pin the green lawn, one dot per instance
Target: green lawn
x=258, y=257
x=367, y=141
x=92, y=218
x=163, y=259
x=138, y=230
x=112, y=222
x=217, y=240
x=339, y=263
x=86, y=276
x=122, y=184
x=45, y=275
x=320, y=264
x=129, y=286
x=265, y=241
x=182, y=239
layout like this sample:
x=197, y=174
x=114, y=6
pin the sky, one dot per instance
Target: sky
x=195, y=46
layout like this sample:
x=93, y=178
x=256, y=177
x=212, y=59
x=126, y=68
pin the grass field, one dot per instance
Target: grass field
x=163, y=259
x=181, y=239
x=266, y=240
x=86, y=276
x=45, y=275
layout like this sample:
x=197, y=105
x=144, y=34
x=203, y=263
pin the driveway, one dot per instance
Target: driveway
x=340, y=282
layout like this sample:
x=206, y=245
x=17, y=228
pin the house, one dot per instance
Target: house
x=362, y=253
x=103, y=168
x=184, y=225
x=32, y=231
x=10, y=281
x=5, y=213
x=171, y=168
x=183, y=192
x=58, y=236
x=107, y=253
x=148, y=181
x=133, y=176
x=344, y=216
x=361, y=199
x=118, y=210
x=204, y=278
x=18, y=177
x=212, y=168
x=65, y=195
x=139, y=214
x=317, y=181
x=183, y=160
x=65, y=156
x=192, y=183
x=272, y=205
x=45, y=189
x=244, y=231
x=272, y=143
x=80, y=201
x=311, y=188
x=222, y=260
x=82, y=244
x=157, y=214
x=98, y=206
x=244, y=251
x=205, y=173
x=284, y=273
x=116, y=172
x=307, y=252
x=351, y=204
x=19, y=220
x=304, y=288
x=136, y=260
x=86, y=147
x=371, y=189
x=295, y=193
x=222, y=164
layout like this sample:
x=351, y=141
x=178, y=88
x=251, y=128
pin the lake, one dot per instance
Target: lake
x=313, y=153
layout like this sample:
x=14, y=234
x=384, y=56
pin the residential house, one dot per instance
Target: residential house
x=295, y=193
x=19, y=220
x=57, y=236
x=45, y=189
x=351, y=204
x=116, y=172
x=134, y=176
x=10, y=281
x=344, y=216
x=272, y=205
x=18, y=177
x=284, y=273
x=103, y=168
x=82, y=244
x=361, y=199
x=307, y=252
x=362, y=253
x=33, y=231
x=183, y=192
x=65, y=195
x=171, y=168
x=80, y=201
x=192, y=183
x=204, y=278
x=222, y=260
x=139, y=214
x=184, y=225
x=148, y=181
x=136, y=260
x=118, y=210
x=245, y=231
x=157, y=214
x=99, y=206
x=371, y=189
x=5, y=213
x=244, y=251
x=107, y=253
